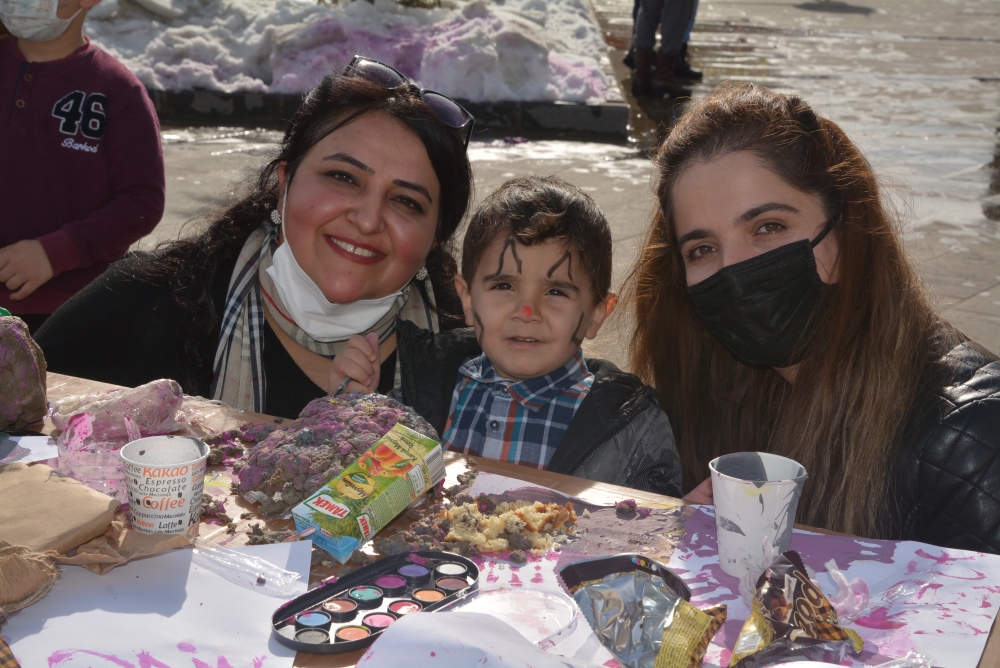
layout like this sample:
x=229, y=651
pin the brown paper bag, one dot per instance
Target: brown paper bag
x=44, y=510
x=25, y=577
x=119, y=545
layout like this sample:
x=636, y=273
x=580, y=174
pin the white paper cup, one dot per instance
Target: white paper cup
x=165, y=476
x=756, y=496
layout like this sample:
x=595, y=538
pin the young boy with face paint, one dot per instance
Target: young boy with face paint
x=81, y=167
x=535, y=282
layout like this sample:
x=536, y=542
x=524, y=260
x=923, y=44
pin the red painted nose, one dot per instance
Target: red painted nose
x=526, y=310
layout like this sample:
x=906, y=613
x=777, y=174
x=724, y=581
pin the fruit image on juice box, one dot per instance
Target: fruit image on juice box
x=350, y=509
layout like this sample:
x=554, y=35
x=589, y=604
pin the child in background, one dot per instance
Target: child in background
x=81, y=167
x=535, y=282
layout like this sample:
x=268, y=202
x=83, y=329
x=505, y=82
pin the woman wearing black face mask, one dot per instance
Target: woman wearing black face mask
x=775, y=310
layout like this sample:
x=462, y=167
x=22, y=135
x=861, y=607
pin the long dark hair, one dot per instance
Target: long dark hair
x=844, y=418
x=197, y=260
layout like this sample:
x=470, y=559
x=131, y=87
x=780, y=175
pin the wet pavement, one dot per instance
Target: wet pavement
x=915, y=83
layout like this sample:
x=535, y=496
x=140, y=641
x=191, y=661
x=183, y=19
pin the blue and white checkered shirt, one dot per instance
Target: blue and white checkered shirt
x=517, y=422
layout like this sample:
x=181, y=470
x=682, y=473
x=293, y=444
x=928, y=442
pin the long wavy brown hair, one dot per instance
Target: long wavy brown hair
x=871, y=349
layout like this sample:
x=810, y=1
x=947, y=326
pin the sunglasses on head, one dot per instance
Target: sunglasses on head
x=448, y=111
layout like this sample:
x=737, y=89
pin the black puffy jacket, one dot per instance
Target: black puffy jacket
x=947, y=477
x=619, y=434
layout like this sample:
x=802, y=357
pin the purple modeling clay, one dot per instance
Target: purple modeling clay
x=330, y=433
x=22, y=376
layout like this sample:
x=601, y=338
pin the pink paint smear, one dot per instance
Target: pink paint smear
x=63, y=655
x=881, y=619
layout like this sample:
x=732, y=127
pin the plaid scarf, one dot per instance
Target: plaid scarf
x=239, y=368
x=7, y=659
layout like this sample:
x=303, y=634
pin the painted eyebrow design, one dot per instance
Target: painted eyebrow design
x=567, y=257
x=744, y=217
x=512, y=245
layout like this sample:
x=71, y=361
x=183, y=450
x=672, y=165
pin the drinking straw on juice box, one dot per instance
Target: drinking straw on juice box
x=350, y=509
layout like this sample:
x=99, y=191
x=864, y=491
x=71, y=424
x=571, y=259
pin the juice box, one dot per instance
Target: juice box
x=350, y=509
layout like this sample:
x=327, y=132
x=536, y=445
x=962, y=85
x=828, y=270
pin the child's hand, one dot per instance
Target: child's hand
x=702, y=493
x=359, y=360
x=24, y=267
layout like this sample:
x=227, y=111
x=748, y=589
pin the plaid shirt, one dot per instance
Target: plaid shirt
x=517, y=422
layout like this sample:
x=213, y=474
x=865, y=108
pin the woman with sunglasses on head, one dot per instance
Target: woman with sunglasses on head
x=775, y=310
x=294, y=291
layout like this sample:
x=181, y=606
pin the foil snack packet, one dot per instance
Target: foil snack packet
x=644, y=621
x=791, y=619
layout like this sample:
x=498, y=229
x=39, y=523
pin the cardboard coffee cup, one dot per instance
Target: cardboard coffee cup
x=756, y=496
x=165, y=476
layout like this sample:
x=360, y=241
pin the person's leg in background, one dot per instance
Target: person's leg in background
x=643, y=41
x=683, y=68
x=675, y=15
x=629, y=58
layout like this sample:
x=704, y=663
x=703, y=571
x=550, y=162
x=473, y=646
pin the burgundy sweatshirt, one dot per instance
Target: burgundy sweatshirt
x=81, y=166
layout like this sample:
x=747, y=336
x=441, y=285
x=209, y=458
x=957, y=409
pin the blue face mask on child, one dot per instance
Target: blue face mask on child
x=34, y=20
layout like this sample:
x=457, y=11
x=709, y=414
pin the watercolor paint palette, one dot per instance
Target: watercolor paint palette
x=350, y=613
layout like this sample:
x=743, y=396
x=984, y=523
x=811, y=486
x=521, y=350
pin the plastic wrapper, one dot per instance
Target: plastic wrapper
x=154, y=408
x=784, y=650
x=911, y=660
x=95, y=427
x=791, y=619
x=645, y=623
x=686, y=636
x=748, y=583
x=246, y=570
x=91, y=459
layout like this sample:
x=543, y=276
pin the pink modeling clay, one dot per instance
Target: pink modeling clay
x=851, y=598
x=153, y=409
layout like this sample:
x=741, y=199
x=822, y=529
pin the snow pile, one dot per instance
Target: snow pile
x=474, y=50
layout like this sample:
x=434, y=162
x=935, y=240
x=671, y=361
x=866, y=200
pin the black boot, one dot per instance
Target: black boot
x=642, y=75
x=683, y=70
x=665, y=84
x=629, y=58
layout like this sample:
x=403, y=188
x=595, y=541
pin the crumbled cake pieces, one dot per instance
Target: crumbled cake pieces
x=491, y=532
x=482, y=525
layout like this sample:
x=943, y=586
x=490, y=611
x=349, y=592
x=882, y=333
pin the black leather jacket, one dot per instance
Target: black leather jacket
x=947, y=478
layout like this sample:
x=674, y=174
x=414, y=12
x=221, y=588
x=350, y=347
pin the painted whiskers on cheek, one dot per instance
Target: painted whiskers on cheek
x=480, y=330
x=579, y=334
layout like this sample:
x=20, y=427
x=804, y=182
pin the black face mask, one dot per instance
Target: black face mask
x=760, y=309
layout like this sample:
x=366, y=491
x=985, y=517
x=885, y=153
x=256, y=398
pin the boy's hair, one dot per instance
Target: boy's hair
x=534, y=209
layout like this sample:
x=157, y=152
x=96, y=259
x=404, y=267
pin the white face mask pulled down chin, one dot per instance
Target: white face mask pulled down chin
x=34, y=20
x=306, y=304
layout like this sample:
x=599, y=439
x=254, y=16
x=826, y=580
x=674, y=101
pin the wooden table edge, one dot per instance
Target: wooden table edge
x=60, y=386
